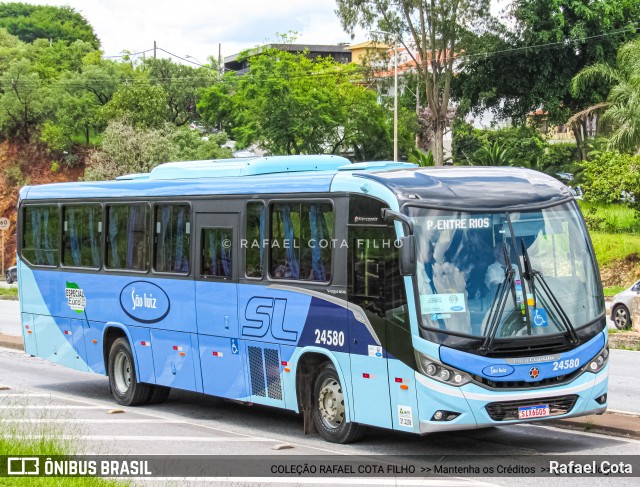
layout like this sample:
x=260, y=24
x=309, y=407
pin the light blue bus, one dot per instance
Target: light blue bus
x=382, y=293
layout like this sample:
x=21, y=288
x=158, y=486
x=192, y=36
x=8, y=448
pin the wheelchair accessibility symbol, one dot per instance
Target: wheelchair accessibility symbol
x=234, y=346
x=539, y=317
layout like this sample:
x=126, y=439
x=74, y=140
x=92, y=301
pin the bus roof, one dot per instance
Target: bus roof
x=473, y=187
x=450, y=187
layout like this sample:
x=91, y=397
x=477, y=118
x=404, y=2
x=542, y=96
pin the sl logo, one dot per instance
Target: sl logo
x=262, y=314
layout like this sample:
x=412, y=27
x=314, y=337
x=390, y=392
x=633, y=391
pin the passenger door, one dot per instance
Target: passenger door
x=367, y=325
x=216, y=271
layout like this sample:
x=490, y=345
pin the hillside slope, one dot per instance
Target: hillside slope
x=21, y=165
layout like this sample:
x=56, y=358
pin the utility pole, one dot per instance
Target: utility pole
x=155, y=47
x=220, y=67
x=396, y=41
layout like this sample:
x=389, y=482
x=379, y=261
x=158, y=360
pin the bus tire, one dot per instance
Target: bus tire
x=329, y=409
x=123, y=380
x=159, y=394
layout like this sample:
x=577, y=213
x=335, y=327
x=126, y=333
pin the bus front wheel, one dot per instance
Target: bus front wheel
x=123, y=380
x=329, y=410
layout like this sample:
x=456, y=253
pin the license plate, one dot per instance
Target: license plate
x=528, y=412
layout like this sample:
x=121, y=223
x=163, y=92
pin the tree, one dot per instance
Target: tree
x=622, y=109
x=182, y=85
x=290, y=104
x=31, y=22
x=129, y=149
x=141, y=103
x=22, y=104
x=435, y=31
x=528, y=61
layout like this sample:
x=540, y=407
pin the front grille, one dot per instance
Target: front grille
x=521, y=384
x=508, y=410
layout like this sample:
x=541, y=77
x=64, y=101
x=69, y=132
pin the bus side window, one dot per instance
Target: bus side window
x=40, y=235
x=172, y=239
x=128, y=237
x=217, y=244
x=255, y=240
x=82, y=236
x=301, y=241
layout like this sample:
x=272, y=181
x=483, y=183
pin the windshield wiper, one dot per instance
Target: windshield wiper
x=531, y=274
x=497, y=307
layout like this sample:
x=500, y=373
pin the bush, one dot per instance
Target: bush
x=126, y=149
x=525, y=144
x=559, y=158
x=612, y=177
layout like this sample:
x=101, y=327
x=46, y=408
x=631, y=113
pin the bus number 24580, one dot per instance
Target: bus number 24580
x=330, y=337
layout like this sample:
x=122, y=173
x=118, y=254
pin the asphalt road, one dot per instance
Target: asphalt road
x=75, y=405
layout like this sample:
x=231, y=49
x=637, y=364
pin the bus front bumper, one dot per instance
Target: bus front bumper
x=470, y=402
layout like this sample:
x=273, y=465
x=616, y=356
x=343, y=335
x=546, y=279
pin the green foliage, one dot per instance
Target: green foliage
x=31, y=22
x=142, y=104
x=22, y=105
x=610, y=218
x=524, y=145
x=610, y=247
x=558, y=158
x=127, y=149
x=290, y=104
x=13, y=176
x=182, y=86
x=622, y=113
x=528, y=60
x=421, y=159
x=610, y=177
x=437, y=29
x=56, y=137
x=494, y=154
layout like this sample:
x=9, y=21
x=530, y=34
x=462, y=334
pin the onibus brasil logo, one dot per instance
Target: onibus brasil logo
x=75, y=297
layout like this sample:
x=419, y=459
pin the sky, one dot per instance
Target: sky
x=195, y=27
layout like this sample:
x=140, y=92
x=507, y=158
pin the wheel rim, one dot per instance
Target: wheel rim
x=621, y=318
x=331, y=403
x=122, y=372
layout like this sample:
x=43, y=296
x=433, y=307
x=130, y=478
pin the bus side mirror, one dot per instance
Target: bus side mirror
x=408, y=255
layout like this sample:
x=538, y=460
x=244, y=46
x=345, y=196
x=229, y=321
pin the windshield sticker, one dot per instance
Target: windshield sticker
x=375, y=351
x=75, y=297
x=443, y=303
x=539, y=317
x=458, y=223
x=437, y=316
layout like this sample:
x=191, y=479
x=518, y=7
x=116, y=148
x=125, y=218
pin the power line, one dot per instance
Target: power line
x=128, y=54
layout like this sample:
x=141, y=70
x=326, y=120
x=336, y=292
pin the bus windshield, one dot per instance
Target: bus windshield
x=507, y=275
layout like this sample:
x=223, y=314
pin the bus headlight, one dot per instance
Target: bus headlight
x=599, y=361
x=440, y=372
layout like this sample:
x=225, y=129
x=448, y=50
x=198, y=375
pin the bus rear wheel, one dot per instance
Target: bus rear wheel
x=123, y=380
x=329, y=413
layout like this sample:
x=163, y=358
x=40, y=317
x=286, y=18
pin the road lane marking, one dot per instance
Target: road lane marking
x=139, y=412
x=92, y=421
x=50, y=406
x=188, y=439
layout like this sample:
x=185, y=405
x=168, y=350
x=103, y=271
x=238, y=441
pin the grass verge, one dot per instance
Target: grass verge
x=9, y=291
x=611, y=291
x=20, y=437
x=610, y=247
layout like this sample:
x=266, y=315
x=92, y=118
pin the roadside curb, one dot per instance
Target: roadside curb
x=10, y=341
x=612, y=423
